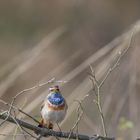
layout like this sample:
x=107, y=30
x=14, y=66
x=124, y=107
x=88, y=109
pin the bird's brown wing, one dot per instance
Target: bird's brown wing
x=42, y=105
x=66, y=104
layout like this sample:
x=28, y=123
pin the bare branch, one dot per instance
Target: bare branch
x=47, y=132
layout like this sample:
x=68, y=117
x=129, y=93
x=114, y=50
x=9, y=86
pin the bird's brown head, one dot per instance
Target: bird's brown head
x=54, y=88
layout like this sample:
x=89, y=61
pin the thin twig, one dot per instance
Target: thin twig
x=78, y=119
x=31, y=135
x=34, y=87
x=121, y=54
x=98, y=100
x=18, y=125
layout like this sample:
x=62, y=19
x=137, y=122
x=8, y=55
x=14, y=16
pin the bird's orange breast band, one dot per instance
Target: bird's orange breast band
x=56, y=107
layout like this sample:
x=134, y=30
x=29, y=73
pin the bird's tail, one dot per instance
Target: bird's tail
x=41, y=124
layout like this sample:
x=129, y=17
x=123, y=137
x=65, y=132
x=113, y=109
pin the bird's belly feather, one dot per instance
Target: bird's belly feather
x=53, y=115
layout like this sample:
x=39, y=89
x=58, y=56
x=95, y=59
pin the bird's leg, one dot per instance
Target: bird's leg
x=45, y=123
x=58, y=127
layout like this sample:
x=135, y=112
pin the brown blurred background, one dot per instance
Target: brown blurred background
x=59, y=38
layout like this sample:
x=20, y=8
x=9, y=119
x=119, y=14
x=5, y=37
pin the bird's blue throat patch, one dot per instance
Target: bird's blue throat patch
x=56, y=98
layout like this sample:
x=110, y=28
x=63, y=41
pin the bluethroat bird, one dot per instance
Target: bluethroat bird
x=53, y=109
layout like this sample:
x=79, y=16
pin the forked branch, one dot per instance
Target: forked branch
x=97, y=85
